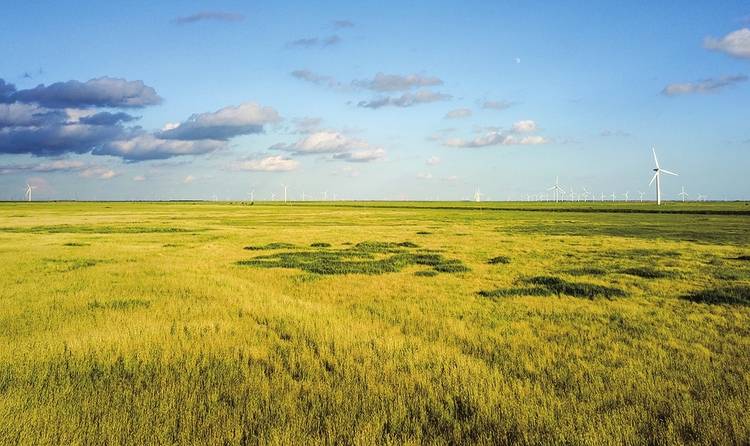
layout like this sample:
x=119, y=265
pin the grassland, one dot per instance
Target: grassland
x=365, y=323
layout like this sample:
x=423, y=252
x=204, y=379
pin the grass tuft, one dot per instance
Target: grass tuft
x=274, y=245
x=647, y=272
x=119, y=304
x=733, y=295
x=510, y=292
x=320, y=245
x=559, y=286
x=499, y=260
x=427, y=273
x=586, y=271
x=75, y=244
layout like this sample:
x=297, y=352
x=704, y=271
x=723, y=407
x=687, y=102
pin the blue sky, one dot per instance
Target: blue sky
x=423, y=100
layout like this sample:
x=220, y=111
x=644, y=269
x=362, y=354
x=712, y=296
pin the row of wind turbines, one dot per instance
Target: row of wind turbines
x=558, y=193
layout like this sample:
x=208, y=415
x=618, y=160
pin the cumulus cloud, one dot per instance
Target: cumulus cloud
x=458, y=113
x=203, y=16
x=56, y=139
x=433, y=161
x=736, y=43
x=496, y=105
x=275, y=163
x=99, y=92
x=524, y=126
x=223, y=124
x=146, y=146
x=315, y=42
x=500, y=138
x=385, y=83
x=86, y=170
x=704, y=86
x=405, y=100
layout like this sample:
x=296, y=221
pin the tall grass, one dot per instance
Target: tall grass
x=111, y=337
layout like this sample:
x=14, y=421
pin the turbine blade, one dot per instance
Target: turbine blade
x=653, y=178
x=656, y=161
x=669, y=173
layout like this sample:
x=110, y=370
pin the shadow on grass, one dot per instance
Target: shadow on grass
x=119, y=304
x=499, y=260
x=647, y=272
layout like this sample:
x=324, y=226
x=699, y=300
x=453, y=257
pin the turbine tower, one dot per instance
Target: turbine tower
x=626, y=195
x=683, y=194
x=556, y=189
x=477, y=195
x=29, y=188
x=657, y=176
x=284, y=186
x=641, y=195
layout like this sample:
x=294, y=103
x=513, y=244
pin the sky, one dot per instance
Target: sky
x=384, y=100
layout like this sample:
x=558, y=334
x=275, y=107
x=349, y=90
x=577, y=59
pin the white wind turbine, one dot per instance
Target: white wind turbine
x=284, y=186
x=613, y=196
x=252, y=195
x=683, y=194
x=556, y=189
x=29, y=188
x=641, y=194
x=626, y=195
x=602, y=196
x=585, y=194
x=657, y=176
x=477, y=195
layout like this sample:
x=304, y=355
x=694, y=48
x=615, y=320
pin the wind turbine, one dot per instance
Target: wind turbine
x=325, y=195
x=585, y=194
x=252, y=196
x=29, y=188
x=626, y=195
x=613, y=197
x=683, y=194
x=641, y=195
x=602, y=196
x=557, y=189
x=477, y=195
x=657, y=176
x=284, y=186
x=273, y=196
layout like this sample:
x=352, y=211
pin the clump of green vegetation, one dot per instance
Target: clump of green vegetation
x=423, y=233
x=269, y=246
x=170, y=245
x=647, y=272
x=559, y=286
x=320, y=245
x=499, y=260
x=733, y=295
x=587, y=271
x=67, y=265
x=119, y=304
x=75, y=244
x=370, y=257
x=510, y=292
x=427, y=273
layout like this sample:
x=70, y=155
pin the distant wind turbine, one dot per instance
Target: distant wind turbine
x=29, y=188
x=657, y=176
x=477, y=195
x=683, y=194
x=626, y=195
x=613, y=196
x=585, y=194
x=284, y=186
x=641, y=194
x=556, y=189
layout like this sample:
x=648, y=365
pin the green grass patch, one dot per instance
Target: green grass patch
x=586, y=271
x=320, y=245
x=732, y=295
x=504, y=260
x=269, y=246
x=560, y=286
x=370, y=257
x=75, y=244
x=512, y=292
x=427, y=273
x=647, y=272
x=119, y=304
x=423, y=233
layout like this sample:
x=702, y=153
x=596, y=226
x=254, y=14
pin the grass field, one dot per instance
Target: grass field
x=365, y=323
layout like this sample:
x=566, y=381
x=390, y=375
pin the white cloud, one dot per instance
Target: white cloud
x=276, y=163
x=148, y=147
x=322, y=142
x=405, y=100
x=703, y=86
x=458, y=113
x=496, y=105
x=139, y=178
x=362, y=156
x=395, y=82
x=225, y=123
x=101, y=173
x=736, y=43
x=433, y=161
x=524, y=126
